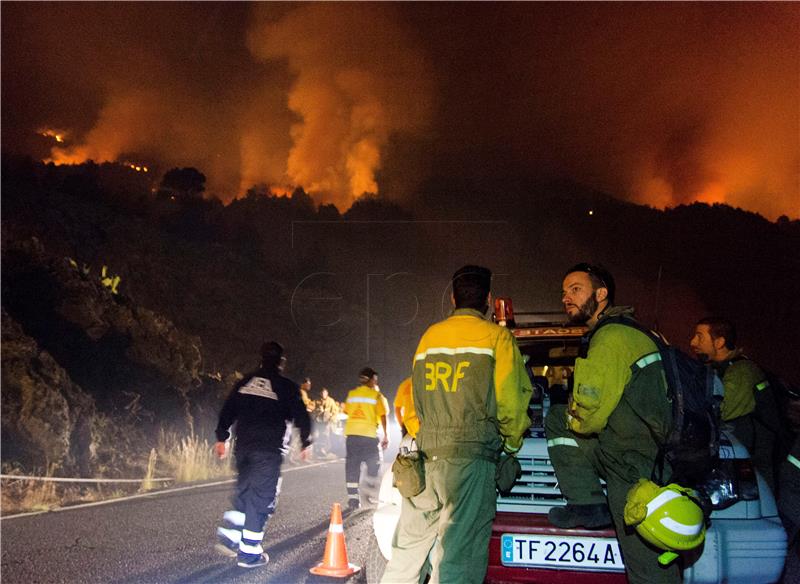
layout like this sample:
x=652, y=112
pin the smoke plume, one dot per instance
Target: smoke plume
x=359, y=79
x=659, y=103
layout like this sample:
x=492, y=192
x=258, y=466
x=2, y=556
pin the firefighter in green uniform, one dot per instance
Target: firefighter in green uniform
x=749, y=407
x=471, y=393
x=617, y=415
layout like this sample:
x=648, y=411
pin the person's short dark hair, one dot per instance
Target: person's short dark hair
x=599, y=276
x=271, y=353
x=721, y=327
x=367, y=372
x=471, y=285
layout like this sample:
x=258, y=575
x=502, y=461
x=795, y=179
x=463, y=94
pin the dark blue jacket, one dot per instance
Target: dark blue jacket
x=261, y=404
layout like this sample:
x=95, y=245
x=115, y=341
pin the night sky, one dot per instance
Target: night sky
x=662, y=103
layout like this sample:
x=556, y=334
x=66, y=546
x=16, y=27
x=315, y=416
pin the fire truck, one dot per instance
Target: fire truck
x=745, y=543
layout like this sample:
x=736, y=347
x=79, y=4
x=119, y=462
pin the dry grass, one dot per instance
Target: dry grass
x=25, y=495
x=190, y=459
x=186, y=459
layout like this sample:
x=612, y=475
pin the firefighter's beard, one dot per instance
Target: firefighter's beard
x=585, y=311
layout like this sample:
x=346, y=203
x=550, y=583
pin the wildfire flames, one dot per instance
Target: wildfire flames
x=57, y=135
x=343, y=99
x=136, y=167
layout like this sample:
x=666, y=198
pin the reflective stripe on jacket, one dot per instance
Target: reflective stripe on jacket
x=742, y=379
x=364, y=407
x=470, y=388
x=601, y=378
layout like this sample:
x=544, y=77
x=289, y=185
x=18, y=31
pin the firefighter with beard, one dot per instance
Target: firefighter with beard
x=749, y=407
x=260, y=404
x=617, y=415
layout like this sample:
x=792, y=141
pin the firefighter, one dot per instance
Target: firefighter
x=366, y=409
x=325, y=411
x=471, y=393
x=404, y=409
x=293, y=449
x=305, y=394
x=261, y=404
x=749, y=407
x=617, y=415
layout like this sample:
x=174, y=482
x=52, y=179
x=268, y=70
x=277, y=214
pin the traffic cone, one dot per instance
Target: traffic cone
x=335, y=563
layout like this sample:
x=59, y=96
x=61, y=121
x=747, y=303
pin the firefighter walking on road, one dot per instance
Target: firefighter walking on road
x=366, y=408
x=260, y=404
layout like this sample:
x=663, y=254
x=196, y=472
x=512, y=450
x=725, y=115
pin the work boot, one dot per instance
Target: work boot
x=368, y=494
x=245, y=561
x=228, y=542
x=592, y=516
x=352, y=506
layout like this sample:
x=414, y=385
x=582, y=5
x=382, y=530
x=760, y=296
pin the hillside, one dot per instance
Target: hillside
x=202, y=284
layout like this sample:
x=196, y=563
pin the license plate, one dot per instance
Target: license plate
x=554, y=551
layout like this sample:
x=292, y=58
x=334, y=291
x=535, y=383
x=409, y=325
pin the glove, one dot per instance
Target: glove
x=638, y=497
x=220, y=449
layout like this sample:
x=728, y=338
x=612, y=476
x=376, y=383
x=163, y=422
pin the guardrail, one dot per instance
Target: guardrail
x=79, y=480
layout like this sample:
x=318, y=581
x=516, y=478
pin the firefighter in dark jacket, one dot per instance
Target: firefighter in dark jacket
x=260, y=404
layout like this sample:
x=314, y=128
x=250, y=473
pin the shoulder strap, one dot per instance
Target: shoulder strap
x=659, y=341
x=722, y=369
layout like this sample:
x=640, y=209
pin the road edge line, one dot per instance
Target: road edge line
x=151, y=494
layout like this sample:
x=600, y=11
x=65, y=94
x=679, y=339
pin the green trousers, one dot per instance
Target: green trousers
x=451, y=520
x=621, y=454
x=789, y=510
x=760, y=442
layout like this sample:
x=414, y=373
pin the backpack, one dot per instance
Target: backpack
x=771, y=401
x=695, y=391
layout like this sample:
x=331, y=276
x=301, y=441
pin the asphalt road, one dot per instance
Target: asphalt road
x=169, y=537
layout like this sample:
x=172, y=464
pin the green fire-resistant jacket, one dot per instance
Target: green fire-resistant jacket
x=470, y=388
x=742, y=379
x=601, y=378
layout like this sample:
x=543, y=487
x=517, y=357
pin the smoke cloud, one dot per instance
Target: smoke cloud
x=659, y=103
x=359, y=79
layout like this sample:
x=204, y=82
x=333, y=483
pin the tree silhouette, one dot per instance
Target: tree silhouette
x=182, y=184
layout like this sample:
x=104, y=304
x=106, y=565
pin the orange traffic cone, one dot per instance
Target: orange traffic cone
x=335, y=563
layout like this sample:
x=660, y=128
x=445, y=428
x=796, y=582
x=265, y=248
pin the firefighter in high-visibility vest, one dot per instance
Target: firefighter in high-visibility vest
x=404, y=409
x=366, y=409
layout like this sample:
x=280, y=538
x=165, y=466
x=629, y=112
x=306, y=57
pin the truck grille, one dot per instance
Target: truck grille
x=536, y=490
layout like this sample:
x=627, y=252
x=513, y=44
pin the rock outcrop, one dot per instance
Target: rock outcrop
x=84, y=368
x=46, y=417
